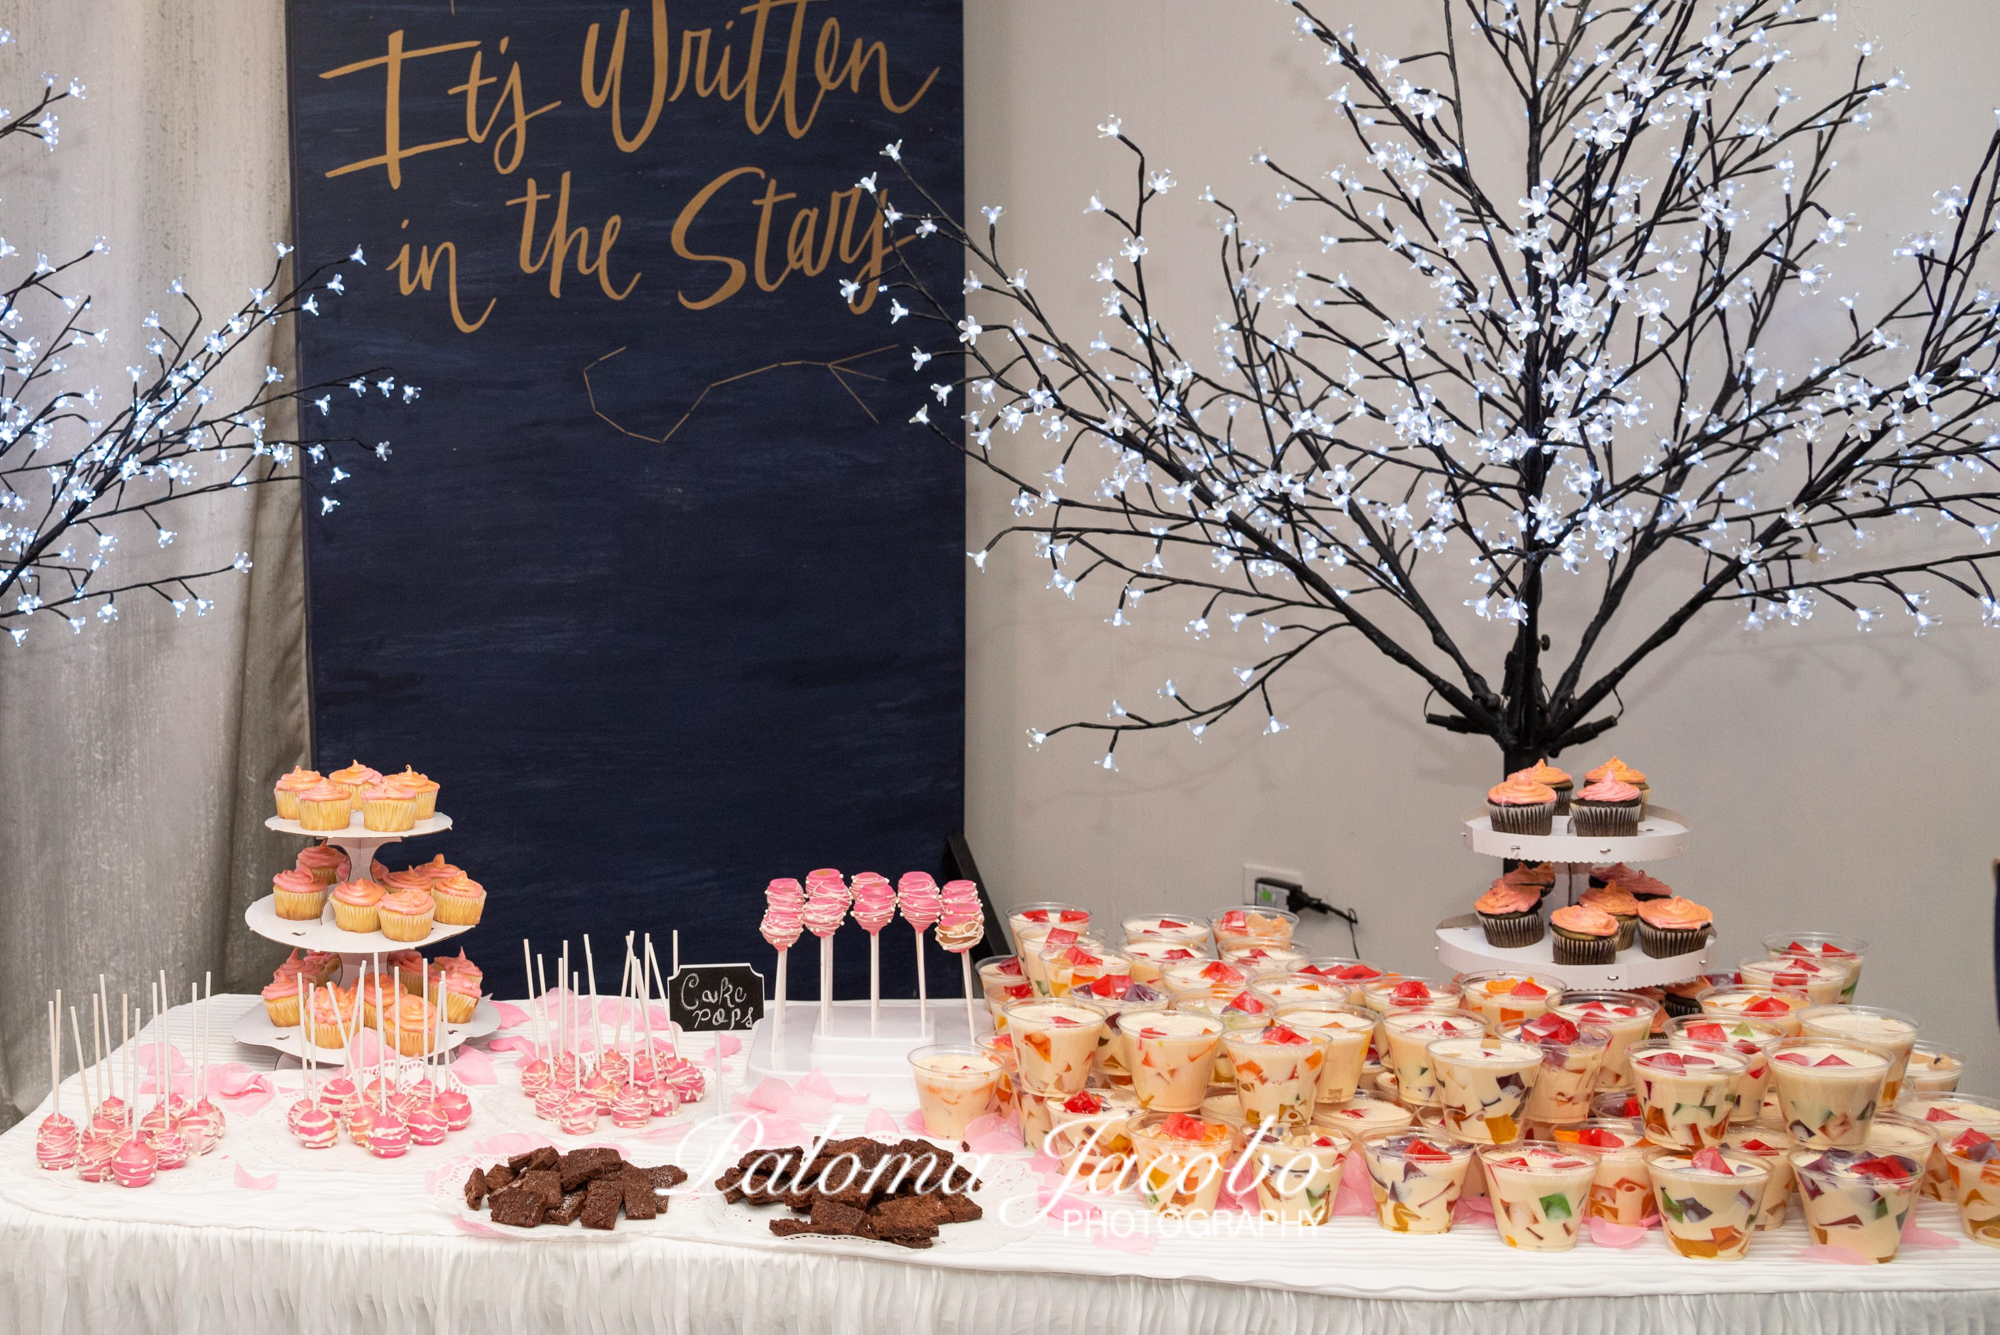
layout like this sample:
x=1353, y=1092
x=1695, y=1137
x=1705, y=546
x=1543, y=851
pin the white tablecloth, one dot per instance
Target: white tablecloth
x=340, y=1242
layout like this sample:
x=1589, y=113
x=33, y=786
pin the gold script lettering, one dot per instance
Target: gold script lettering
x=556, y=248
x=393, y=151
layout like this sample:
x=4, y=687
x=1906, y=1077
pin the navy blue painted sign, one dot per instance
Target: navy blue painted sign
x=659, y=582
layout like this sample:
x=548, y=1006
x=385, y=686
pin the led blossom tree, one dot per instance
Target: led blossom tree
x=80, y=466
x=1533, y=354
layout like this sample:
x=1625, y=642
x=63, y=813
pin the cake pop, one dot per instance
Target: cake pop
x=827, y=899
x=874, y=909
x=56, y=1140
x=961, y=926
x=917, y=898
x=784, y=903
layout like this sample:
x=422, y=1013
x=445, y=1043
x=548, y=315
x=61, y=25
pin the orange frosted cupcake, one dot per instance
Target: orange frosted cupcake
x=297, y=896
x=457, y=964
x=333, y=1007
x=408, y=966
x=406, y=915
x=356, y=906
x=1607, y=809
x=1619, y=902
x=427, y=791
x=326, y=863
x=287, y=790
x=1543, y=772
x=1617, y=769
x=461, y=996
x=356, y=778
x=369, y=997
x=1521, y=806
x=437, y=869
x=1584, y=935
x=1673, y=926
x=325, y=806
x=1511, y=915
x=413, y=1025
x=459, y=900
x=389, y=807
x=410, y=879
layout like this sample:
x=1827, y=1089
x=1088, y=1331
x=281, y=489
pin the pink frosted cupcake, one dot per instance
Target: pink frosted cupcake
x=1511, y=915
x=298, y=896
x=1543, y=772
x=287, y=790
x=389, y=807
x=460, y=900
x=326, y=863
x=426, y=789
x=1675, y=926
x=357, y=906
x=1521, y=806
x=326, y=806
x=281, y=1001
x=408, y=966
x=406, y=915
x=356, y=779
x=1619, y=902
x=1607, y=809
x=461, y=996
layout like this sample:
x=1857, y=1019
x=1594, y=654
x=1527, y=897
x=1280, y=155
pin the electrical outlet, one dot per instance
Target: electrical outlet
x=1265, y=897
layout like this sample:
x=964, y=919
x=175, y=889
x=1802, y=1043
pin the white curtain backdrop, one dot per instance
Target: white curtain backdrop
x=136, y=758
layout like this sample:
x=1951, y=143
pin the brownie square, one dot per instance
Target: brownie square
x=519, y=1162
x=640, y=1202
x=581, y=1166
x=498, y=1176
x=960, y=1208
x=601, y=1202
x=570, y=1209
x=519, y=1207
x=910, y=1212
x=544, y=1183
x=475, y=1189
x=543, y=1159
x=834, y=1217
x=667, y=1176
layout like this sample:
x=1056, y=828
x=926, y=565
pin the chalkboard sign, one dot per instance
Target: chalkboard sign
x=703, y=998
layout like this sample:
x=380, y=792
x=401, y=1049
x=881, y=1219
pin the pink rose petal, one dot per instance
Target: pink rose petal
x=1606, y=1233
x=475, y=1228
x=512, y=1043
x=473, y=1067
x=771, y=1095
x=915, y=1122
x=364, y=1048
x=1915, y=1235
x=728, y=1045
x=1354, y=1196
x=1831, y=1255
x=880, y=1124
x=508, y=1144
x=250, y=1181
x=1136, y=1243
x=1044, y=1162
x=511, y=1016
x=1466, y=1211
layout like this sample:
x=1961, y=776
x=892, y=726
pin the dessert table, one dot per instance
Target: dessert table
x=263, y=1234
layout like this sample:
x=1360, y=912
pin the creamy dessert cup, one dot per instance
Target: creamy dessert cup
x=1857, y=1199
x=1847, y=950
x=1000, y=1047
x=1780, y=1007
x=1540, y=1193
x=1773, y=1148
x=1620, y=1189
x=1409, y=1058
x=1037, y=1115
x=1507, y=996
x=956, y=1083
x=1572, y=1056
x=1259, y=958
x=1243, y=1008
x=1359, y=1118
x=1483, y=1086
x=1950, y=1115
x=1823, y=981
x=1216, y=975
x=1753, y=1039
x=1348, y=1030
x=1416, y=1179
x=1174, y=928
x=1891, y=1031
x=1345, y=970
x=1287, y=987
x=1114, y=1052
x=1038, y=938
x=1893, y=1133
x=1075, y=967
x=1055, y=1043
x=1238, y=926
x=1182, y=1161
x=1044, y=914
x=1828, y=1090
x=1001, y=980
x=1172, y=1056
x=1276, y=1069
x=1629, y=1018
x=1686, y=1090
x=1396, y=995
x=1972, y=1165
x=1091, y=1132
x=1150, y=958
x=1298, y=1176
x=1708, y=1200
x=1933, y=1069
x=1221, y=1106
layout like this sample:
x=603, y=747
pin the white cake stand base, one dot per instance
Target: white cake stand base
x=851, y=1056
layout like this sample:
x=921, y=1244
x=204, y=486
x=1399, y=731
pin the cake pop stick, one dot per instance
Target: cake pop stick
x=917, y=898
x=784, y=902
x=646, y=1018
x=547, y=1033
x=961, y=926
x=827, y=899
x=659, y=983
x=596, y=1038
x=82, y=1072
x=874, y=909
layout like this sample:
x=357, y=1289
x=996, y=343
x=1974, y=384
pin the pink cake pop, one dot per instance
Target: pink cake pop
x=632, y=1109
x=99, y=1147
x=874, y=909
x=961, y=926
x=785, y=904
x=389, y=1137
x=204, y=1123
x=917, y=896
x=135, y=1164
x=56, y=1139
x=579, y=1115
x=317, y=1129
x=826, y=907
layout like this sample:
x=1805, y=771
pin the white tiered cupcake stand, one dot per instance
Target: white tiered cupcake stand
x=1462, y=944
x=254, y=1026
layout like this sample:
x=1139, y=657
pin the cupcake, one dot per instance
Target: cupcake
x=409, y=879
x=1673, y=926
x=459, y=900
x=461, y=997
x=1607, y=809
x=458, y=964
x=1510, y=914
x=356, y=778
x=427, y=791
x=389, y=807
x=332, y=1007
x=1617, y=769
x=325, y=806
x=1617, y=901
x=1643, y=887
x=281, y=1001
x=355, y=906
x=1543, y=772
x=1540, y=878
x=320, y=967
x=326, y=863
x=406, y=915
x=1584, y=935
x=412, y=1026
x=369, y=999
x=408, y=966
x=287, y=790
x=437, y=869
x=1521, y=806
x=1617, y=872
x=298, y=896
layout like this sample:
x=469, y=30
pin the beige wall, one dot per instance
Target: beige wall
x=1835, y=781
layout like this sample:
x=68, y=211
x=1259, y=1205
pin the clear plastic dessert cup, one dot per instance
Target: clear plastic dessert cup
x=1359, y=1118
x=1241, y=1008
x=1000, y=1047
x=1708, y=1200
x=1055, y=1043
x=1150, y=959
x=1409, y=1057
x=1828, y=1090
x=1483, y=1086
x=1892, y=1031
x=1091, y=1133
x=1933, y=1069
x=1857, y=1199
x=1182, y=1161
x=1572, y=1056
x=1002, y=980
x=1779, y=1006
x=1507, y=996
x=1686, y=1090
x=1348, y=1031
x=1847, y=950
x=1773, y=1148
x=1036, y=938
x=1240, y=926
x=1951, y=1115
x=1620, y=1189
x=1276, y=1069
x=956, y=1083
x=1046, y=913
x=1113, y=1052
x=1627, y=1015
x=1416, y=1179
x=1216, y=975
x=1346, y=971
x=1540, y=1193
x=1751, y=1038
x=1298, y=1175
x=1076, y=967
x=1259, y=958
x=1175, y=928
x=1823, y=980
x=1974, y=1174
x=1287, y=986
x=1893, y=1133
x=1396, y=995
x=1172, y=1055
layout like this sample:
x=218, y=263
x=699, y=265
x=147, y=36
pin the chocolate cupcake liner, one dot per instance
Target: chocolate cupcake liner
x=1510, y=931
x=1628, y=929
x=1604, y=820
x=1563, y=793
x=1584, y=949
x=1536, y=819
x=1677, y=1005
x=1664, y=943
